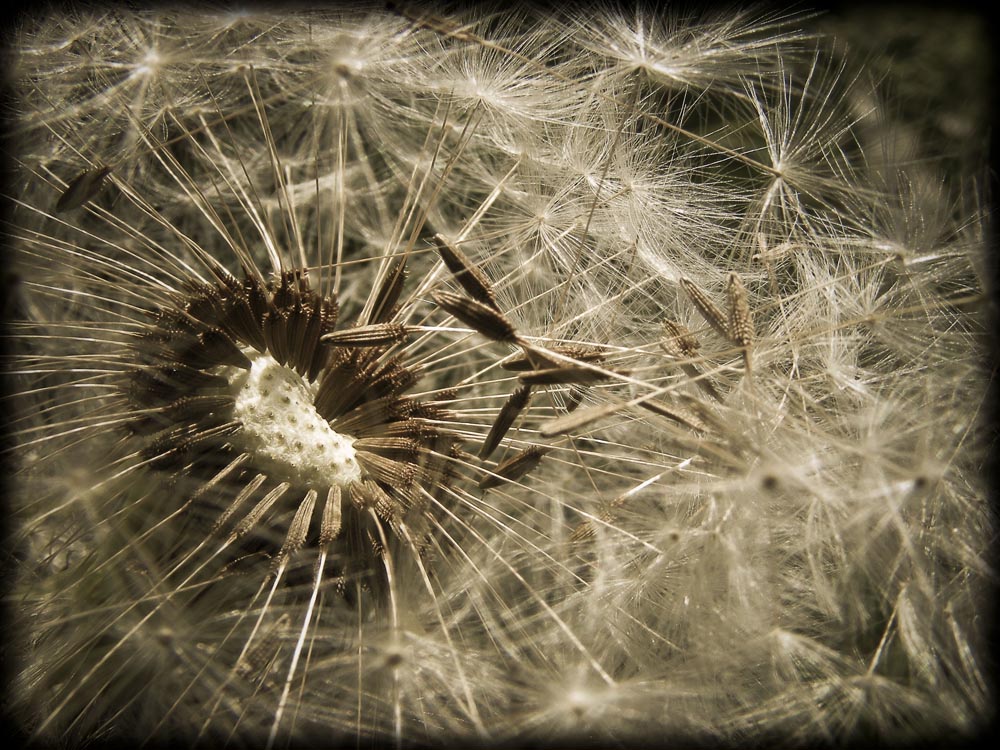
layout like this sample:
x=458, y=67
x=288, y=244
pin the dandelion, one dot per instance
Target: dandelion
x=395, y=374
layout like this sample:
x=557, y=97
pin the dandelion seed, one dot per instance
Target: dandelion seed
x=508, y=414
x=740, y=320
x=514, y=468
x=565, y=375
x=487, y=321
x=376, y=334
x=577, y=420
x=83, y=188
x=708, y=309
x=681, y=343
x=682, y=416
x=523, y=362
x=472, y=280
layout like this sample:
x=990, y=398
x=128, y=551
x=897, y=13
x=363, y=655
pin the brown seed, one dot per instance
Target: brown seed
x=683, y=416
x=299, y=527
x=241, y=319
x=708, y=309
x=740, y=320
x=83, y=188
x=305, y=353
x=193, y=408
x=573, y=398
x=484, y=319
x=508, y=413
x=251, y=487
x=577, y=419
x=525, y=362
x=392, y=446
x=514, y=468
x=584, y=531
x=260, y=656
x=221, y=349
x=396, y=474
x=388, y=293
x=368, y=494
x=253, y=517
x=276, y=335
x=703, y=382
x=376, y=334
x=360, y=495
x=679, y=342
x=329, y=528
x=472, y=279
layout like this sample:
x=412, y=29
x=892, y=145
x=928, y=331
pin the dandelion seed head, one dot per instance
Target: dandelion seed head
x=395, y=383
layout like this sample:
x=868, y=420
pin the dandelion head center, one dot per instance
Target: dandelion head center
x=249, y=387
x=282, y=429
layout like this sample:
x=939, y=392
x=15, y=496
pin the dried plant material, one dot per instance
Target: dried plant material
x=530, y=359
x=682, y=416
x=329, y=528
x=254, y=665
x=469, y=276
x=489, y=322
x=708, y=309
x=514, y=468
x=295, y=538
x=376, y=334
x=679, y=341
x=510, y=411
x=387, y=297
x=578, y=419
x=570, y=374
x=83, y=188
x=165, y=353
x=740, y=321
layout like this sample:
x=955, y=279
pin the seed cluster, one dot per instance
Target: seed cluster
x=254, y=372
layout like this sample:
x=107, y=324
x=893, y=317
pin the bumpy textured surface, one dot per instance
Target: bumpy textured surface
x=282, y=429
